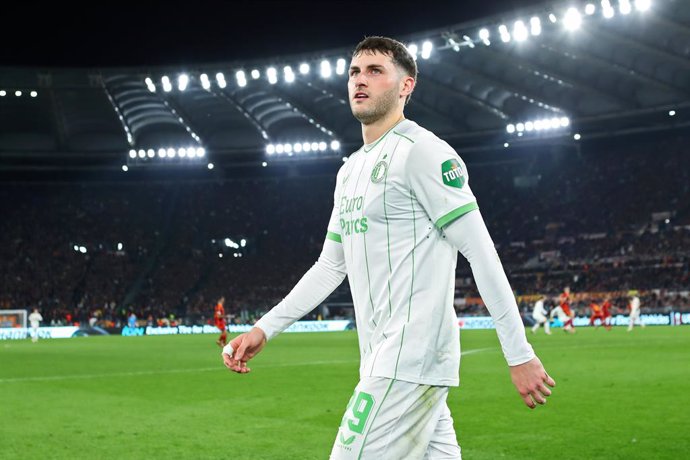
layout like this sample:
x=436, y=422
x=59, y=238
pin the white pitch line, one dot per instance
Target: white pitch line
x=183, y=371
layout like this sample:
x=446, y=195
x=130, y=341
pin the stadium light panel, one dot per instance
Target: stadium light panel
x=535, y=26
x=3, y=93
x=256, y=74
x=520, y=33
x=288, y=74
x=315, y=146
x=304, y=68
x=150, y=153
x=182, y=81
x=643, y=5
x=577, y=136
x=142, y=153
x=529, y=126
x=18, y=93
x=200, y=152
x=182, y=152
x=565, y=122
x=503, y=31
x=119, y=246
x=264, y=164
x=510, y=128
x=671, y=113
x=413, y=50
x=344, y=159
x=326, y=69
x=427, y=46
x=552, y=18
x=272, y=75
x=572, y=19
x=210, y=166
x=624, y=6
x=335, y=145
x=162, y=153
x=125, y=168
x=279, y=148
x=167, y=86
x=484, y=34
x=220, y=79
x=506, y=145
x=241, y=78
x=590, y=9
x=322, y=146
x=520, y=127
x=607, y=9
x=287, y=148
x=297, y=148
x=340, y=66
x=243, y=242
x=171, y=152
x=306, y=147
x=205, y=83
x=132, y=153
x=270, y=149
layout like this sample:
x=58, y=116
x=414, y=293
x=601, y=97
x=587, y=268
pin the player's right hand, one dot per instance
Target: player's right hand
x=245, y=347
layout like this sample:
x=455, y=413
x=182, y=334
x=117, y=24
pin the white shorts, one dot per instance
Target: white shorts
x=391, y=420
x=540, y=318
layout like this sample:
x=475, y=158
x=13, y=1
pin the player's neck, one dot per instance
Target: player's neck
x=373, y=131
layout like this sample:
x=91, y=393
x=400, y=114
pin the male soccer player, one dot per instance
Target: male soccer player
x=219, y=321
x=35, y=319
x=402, y=209
x=564, y=301
x=606, y=311
x=539, y=315
x=597, y=314
x=634, y=306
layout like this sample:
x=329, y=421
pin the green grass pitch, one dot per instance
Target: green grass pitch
x=619, y=395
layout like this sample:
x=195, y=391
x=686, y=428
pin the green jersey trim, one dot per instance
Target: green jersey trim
x=378, y=409
x=381, y=138
x=402, y=135
x=334, y=236
x=454, y=214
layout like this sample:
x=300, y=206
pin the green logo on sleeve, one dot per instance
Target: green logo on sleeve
x=452, y=173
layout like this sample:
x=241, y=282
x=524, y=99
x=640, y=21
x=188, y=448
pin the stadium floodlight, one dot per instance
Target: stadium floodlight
x=119, y=246
x=466, y=40
x=256, y=74
x=607, y=9
x=76, y=248
x=150, y=153
x=132, y=153
x=484, y=34
x=643, y=5
x=413, y=49
x=344, y=159
x=315, y=146
x=220, y=79
x=191, y=152
x=243, y=242
x=535, y=26
x=167, y=86
x=297, y=147
x=520, y=33
x=200, y=152
x=510, y=128
x=304, y=68
x=272, y=75
x=162, y=153
x=171, y=152
x=427, y=46
x=3, y=93
x=279, y=148
x=565, y=122
x=572, y=19
x=529, y=126
x=326, y=69
x=142, y=153
x=552, y=18
x=590, y=9
x=182, y=152
x=335, y=145
x=287, y=148
x=241, y=78
x=306, y=146
x=125, y=168
x=205, y=83
x=18, y=93
x=340, y=66
x=82, y=249
x=264, y=164
x=210, y=166
x=270, y=149
x=671, y=113
x=288, y=74
x=577, y=136
x=624, y=6
x=506, y=145
x=520, y=127
x=322, y=146
x=503, y=31
x=182, y=81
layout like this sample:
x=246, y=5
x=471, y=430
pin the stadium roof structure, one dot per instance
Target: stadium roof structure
x=552, y=73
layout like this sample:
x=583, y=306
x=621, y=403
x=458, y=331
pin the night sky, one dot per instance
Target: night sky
x=122, y=33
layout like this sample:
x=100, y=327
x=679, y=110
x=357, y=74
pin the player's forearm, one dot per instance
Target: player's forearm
x=316, y=284
x=470, y=235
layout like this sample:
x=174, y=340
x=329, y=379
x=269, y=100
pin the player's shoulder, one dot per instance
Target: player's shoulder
x=418, y=136
x=425, y=146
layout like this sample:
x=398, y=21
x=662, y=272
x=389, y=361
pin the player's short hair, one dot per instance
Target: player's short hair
x=395, y=49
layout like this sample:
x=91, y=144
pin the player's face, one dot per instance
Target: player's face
x=374, y=86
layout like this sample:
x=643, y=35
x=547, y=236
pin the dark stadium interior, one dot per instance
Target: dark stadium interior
x=602, y=206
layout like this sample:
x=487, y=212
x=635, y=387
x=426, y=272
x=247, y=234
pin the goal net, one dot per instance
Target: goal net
x=13, y=318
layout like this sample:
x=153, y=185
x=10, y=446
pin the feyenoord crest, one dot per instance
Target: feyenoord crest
x=452, y=174
x=379, y=172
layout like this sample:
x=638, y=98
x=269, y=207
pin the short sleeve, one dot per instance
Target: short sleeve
x=333, y=232
x=438, y=178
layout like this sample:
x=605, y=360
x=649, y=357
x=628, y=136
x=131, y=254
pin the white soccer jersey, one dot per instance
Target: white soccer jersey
x=539, y=311
x=392, y=199
x=35, y=319
x=635, y=305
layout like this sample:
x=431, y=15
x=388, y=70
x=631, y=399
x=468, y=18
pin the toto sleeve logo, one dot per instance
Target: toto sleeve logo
x=452, y=173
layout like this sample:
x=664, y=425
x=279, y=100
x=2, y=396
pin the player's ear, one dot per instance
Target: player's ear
x=407, y=85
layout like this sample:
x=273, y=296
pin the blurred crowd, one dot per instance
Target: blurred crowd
x=607, y=220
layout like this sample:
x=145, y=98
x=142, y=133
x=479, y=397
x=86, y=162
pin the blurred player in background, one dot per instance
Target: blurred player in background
x=35, y=319
x=634, y=307
x=597, y=314
x=606, y=312
x=564, y=303
x=539, y=314
x=219, y=320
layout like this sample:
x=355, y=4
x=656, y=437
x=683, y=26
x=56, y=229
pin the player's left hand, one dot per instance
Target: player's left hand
x=531, y=380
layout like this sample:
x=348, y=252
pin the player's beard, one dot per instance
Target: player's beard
x=381, y=107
